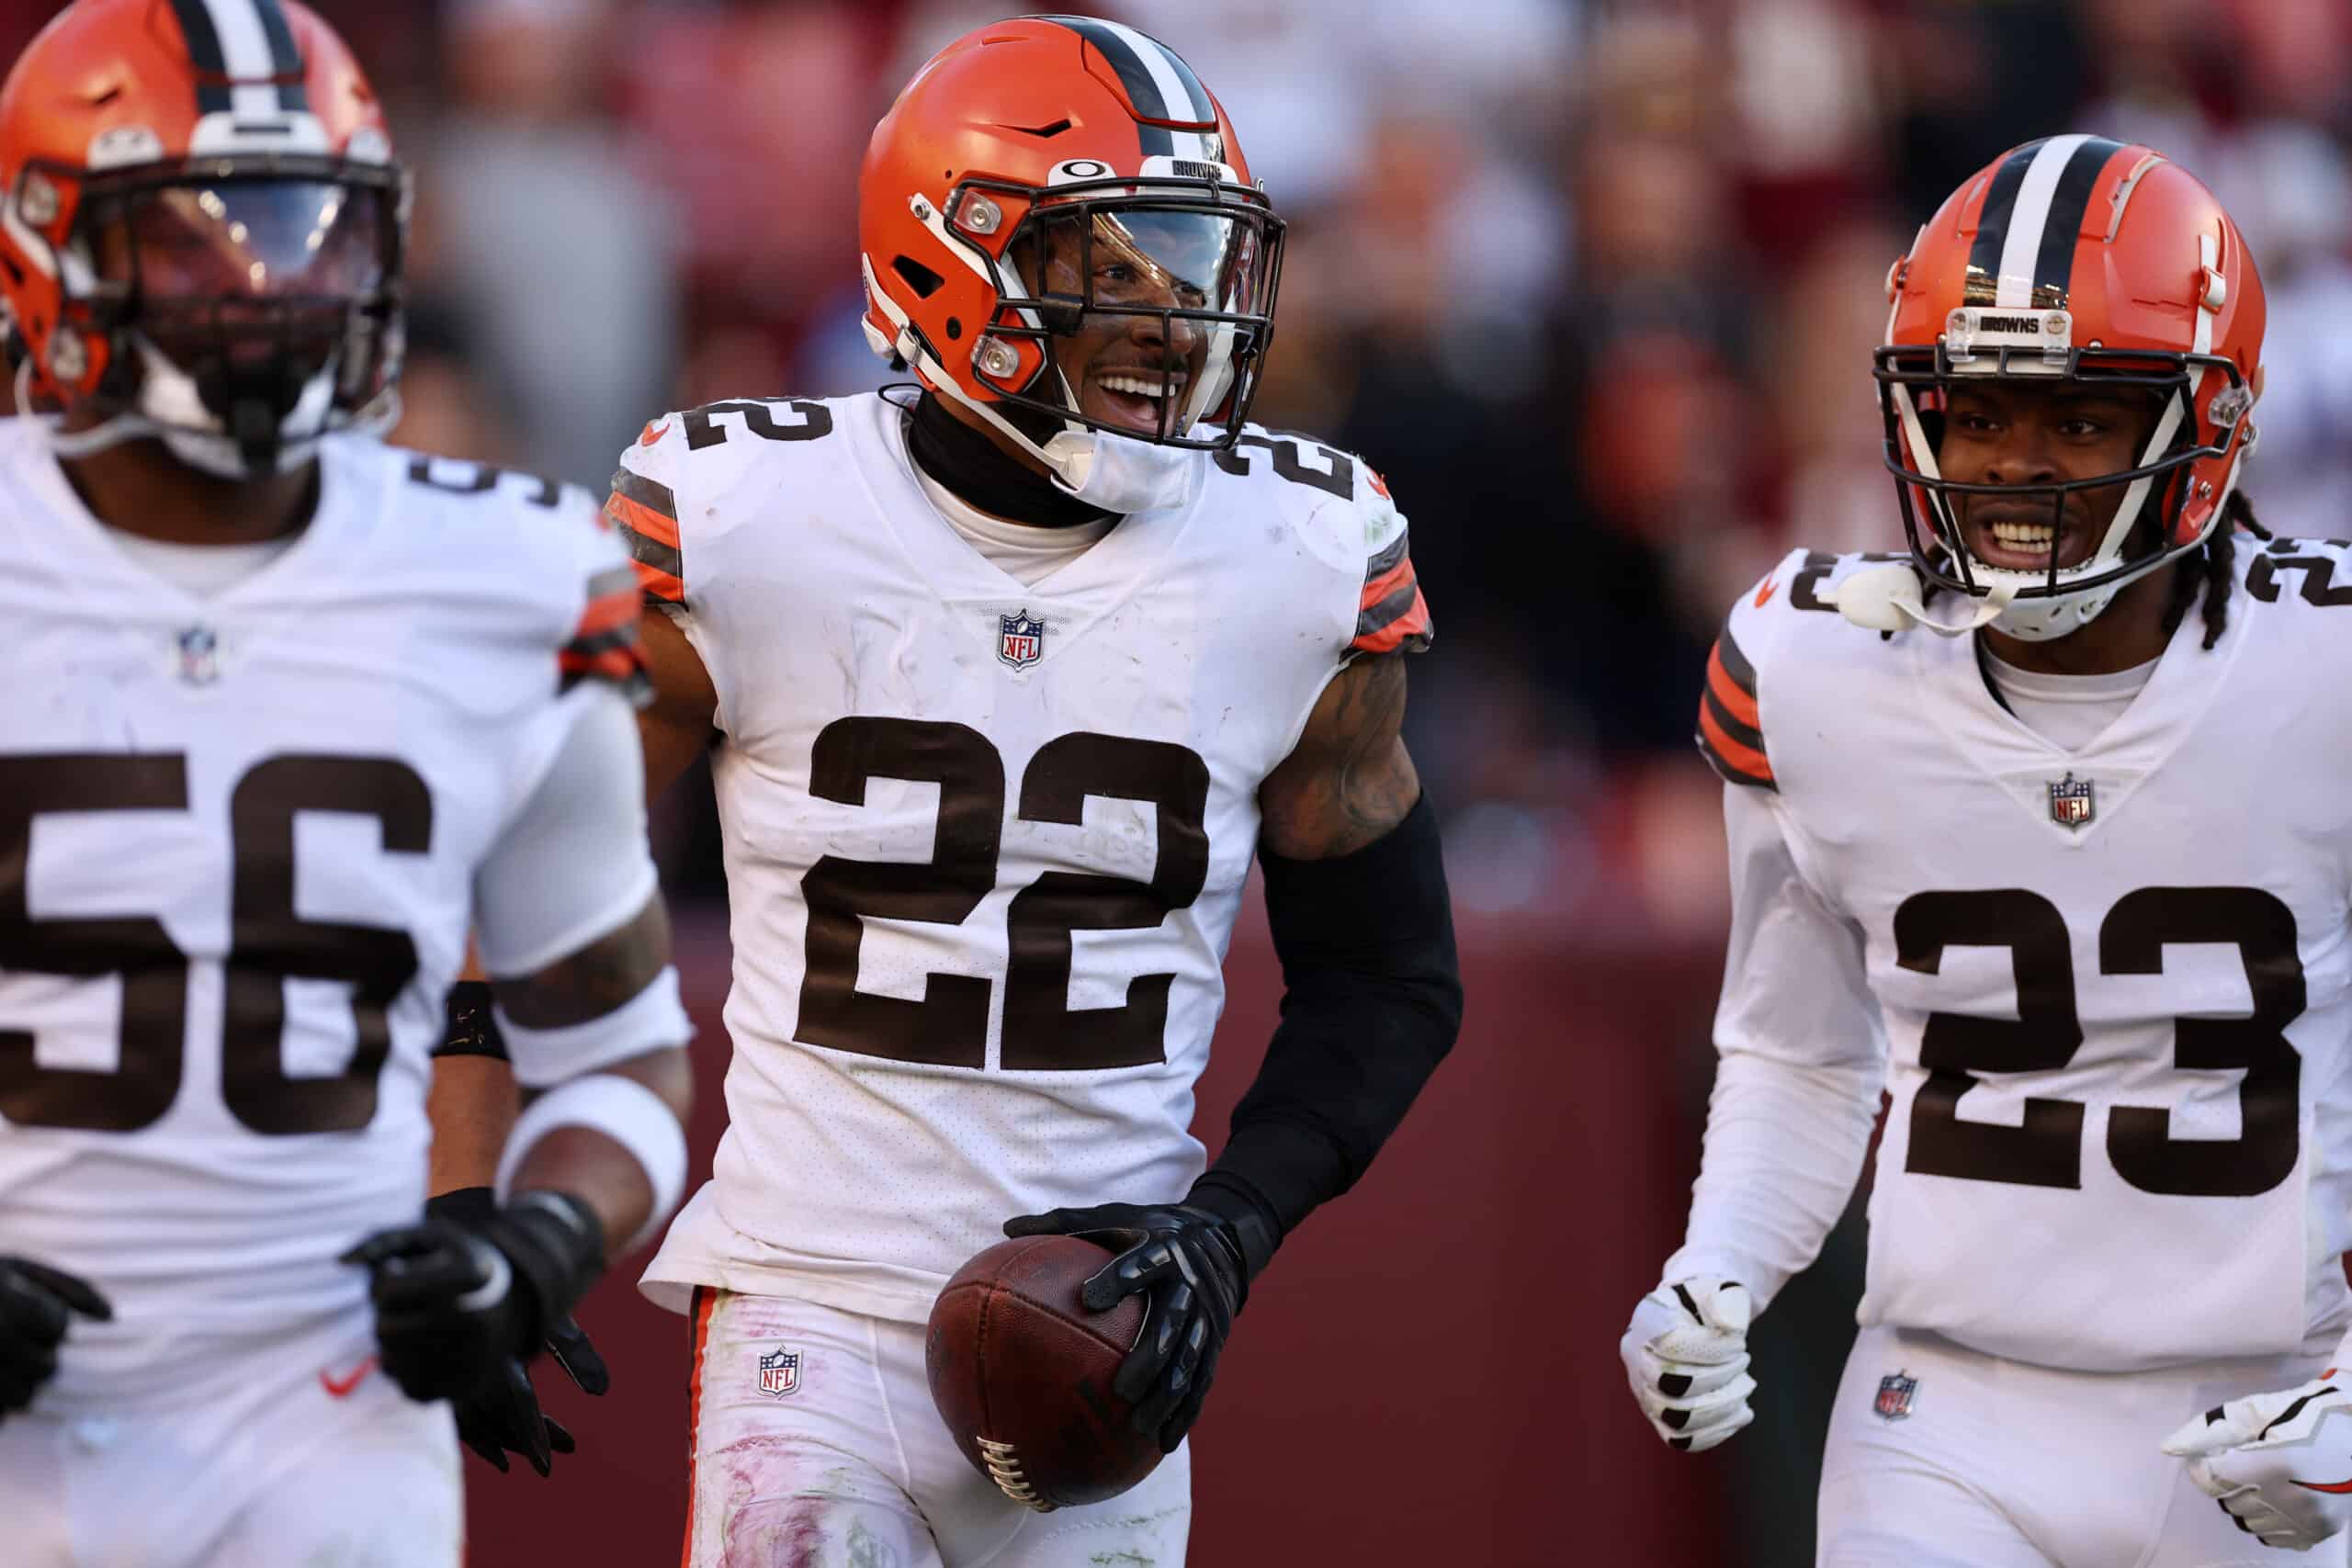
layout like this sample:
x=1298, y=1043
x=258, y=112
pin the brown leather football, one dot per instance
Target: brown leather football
x=1021, y=1372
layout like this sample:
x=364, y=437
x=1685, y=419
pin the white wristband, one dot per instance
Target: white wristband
x=653, y=1020
x=624, y=1110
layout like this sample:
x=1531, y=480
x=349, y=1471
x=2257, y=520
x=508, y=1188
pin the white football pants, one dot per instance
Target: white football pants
x=842, y=1462
x=1988, y=1463
x=310, y=1459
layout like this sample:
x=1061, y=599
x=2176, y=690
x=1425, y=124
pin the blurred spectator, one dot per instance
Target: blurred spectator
x=555, y=255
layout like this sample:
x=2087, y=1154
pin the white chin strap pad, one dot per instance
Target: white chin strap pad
x=1888, y=599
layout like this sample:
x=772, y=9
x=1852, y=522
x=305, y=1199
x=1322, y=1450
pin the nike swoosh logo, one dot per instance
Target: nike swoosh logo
x=340, y=1388
x=653, y=431
x=1765, y=592
x=2340, y=1488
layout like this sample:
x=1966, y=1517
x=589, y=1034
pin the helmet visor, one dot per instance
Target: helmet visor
x=1155, y=312
x=244, y=240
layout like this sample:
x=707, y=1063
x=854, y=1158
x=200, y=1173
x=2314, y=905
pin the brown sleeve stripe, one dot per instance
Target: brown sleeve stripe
x=1392, y=614
x=651, y=494
x=661, y=566
x=1731, y=734
x=604, y=645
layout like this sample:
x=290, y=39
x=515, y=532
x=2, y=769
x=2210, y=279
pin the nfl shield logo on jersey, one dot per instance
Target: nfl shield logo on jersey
x=1894, y=1396
x=780, y=1372
x=2071, y=804
x=199, y=662
x=1020, y=641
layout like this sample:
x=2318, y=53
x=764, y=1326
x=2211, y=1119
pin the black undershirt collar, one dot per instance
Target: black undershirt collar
x=982, y=474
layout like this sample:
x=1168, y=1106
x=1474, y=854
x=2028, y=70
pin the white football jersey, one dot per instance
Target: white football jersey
x=2112, y=981
x=238, y=835
x=984, y=843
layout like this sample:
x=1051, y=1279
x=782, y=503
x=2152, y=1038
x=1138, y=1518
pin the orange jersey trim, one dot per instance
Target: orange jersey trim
x=705, y=1302
x=1391, y=613
x=645, y=514
x=1737, y=763
x=1738, y=701
x=1731, y=725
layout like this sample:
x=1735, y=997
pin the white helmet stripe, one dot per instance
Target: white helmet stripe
x=2029, y=217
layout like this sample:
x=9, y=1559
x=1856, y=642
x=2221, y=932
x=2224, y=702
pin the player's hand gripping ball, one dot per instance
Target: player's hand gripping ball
x=1685, y=1354
x=2280, y=1464
x=1022, y=1371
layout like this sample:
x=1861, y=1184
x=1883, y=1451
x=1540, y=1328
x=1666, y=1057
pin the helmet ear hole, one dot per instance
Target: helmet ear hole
x=919, y=278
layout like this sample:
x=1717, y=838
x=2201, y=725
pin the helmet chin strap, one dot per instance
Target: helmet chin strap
x=1888, y=599
x=208, y=451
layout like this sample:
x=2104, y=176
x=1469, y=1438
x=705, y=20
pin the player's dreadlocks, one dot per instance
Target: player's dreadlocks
x=2210, y=570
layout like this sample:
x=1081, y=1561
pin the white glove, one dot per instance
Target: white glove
x=1685, y=1354
x=2280, y=1464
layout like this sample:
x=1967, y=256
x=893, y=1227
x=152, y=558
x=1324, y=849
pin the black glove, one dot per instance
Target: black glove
x=1187, y=1264
x=477, y=1286
x=36, y=1303
x=503, y=1415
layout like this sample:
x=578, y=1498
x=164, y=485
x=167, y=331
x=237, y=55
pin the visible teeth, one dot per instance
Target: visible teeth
x=2022, y=535
x=1139, y=386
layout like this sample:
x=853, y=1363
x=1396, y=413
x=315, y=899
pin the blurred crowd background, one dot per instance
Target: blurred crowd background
x=1593, y=285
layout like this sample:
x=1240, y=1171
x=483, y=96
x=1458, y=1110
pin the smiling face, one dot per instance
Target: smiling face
x=1131, y=367
x=2032, y=433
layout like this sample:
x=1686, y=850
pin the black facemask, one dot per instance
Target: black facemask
x=984, y=475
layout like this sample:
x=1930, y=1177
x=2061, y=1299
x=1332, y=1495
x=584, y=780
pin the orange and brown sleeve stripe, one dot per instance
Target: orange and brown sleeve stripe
x=1731, y=733
x=646, y=514
x=1392, y=614
x=604, y=645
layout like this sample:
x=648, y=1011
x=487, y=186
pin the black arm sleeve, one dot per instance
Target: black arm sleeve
x=1372, y=1001
x=472, y=1028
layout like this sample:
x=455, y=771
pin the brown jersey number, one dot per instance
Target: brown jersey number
x=269, y=943
x=948, y=1026
x=2045, y=1149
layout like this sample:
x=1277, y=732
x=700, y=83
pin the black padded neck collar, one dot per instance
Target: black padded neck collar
x=983, y=474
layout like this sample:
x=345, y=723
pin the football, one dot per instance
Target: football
x=1021, y=1371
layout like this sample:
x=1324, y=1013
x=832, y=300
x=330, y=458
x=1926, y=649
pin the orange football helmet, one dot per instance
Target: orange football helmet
x=1089, y=143
x=2080, y=258
x=201, y=230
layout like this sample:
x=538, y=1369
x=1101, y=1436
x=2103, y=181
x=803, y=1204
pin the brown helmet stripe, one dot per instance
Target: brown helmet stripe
x=2054, y=262
x=241, y=43
x=204, y=53
x=286, y=61
x=1135, y=75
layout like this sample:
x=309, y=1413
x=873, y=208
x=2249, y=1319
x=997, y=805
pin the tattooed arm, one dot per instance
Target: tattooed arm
x=1348, y=781
x=1357, y=905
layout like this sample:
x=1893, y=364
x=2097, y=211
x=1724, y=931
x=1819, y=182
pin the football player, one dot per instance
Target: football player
x=2038, y=828
x=291, y=708
x=1009, y=676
